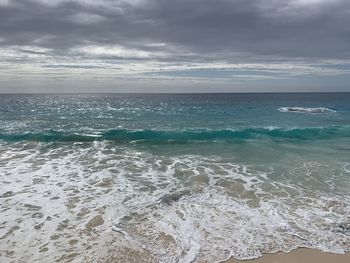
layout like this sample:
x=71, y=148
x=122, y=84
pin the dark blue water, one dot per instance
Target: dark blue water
x=40, y=113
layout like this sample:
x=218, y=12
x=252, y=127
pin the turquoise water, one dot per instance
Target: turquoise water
x=172, y=178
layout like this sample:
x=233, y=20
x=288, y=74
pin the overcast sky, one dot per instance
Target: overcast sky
x=174, y=45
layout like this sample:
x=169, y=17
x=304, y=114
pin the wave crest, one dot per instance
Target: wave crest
x=318, y=110
x=161, y=136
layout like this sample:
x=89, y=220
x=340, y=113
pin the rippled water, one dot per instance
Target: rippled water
x=172, y=178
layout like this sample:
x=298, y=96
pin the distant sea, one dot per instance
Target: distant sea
x=172, y=177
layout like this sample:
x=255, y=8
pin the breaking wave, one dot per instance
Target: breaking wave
x=319, y=110
x=160, y=136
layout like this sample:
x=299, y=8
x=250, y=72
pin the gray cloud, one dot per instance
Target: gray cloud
x=317, y=29
x=175, y=34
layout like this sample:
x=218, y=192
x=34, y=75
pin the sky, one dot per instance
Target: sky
x=174, y=46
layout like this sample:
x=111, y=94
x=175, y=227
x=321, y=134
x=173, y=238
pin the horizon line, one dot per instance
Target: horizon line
x=170, y=93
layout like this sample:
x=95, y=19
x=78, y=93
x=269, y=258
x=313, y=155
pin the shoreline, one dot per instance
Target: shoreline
x=299, y=255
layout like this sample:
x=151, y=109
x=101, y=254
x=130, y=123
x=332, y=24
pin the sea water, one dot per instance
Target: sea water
x=172, y=178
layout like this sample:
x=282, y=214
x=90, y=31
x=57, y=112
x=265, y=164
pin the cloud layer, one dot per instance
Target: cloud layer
x=226, y=44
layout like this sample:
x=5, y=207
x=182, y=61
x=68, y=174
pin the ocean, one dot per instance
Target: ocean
x=172, y=177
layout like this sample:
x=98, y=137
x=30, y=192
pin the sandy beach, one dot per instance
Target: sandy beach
x=302, y=255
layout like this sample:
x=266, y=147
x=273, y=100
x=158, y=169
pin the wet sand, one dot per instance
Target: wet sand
x=302, y=255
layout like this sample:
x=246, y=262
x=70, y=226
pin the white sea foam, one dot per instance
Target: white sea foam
x=318, y=110
x=184, y=208
x=214, y=224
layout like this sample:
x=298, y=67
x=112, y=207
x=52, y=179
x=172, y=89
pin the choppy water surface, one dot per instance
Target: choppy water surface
x=172, y=178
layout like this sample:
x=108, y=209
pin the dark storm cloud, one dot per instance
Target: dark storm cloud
x=223, y=29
